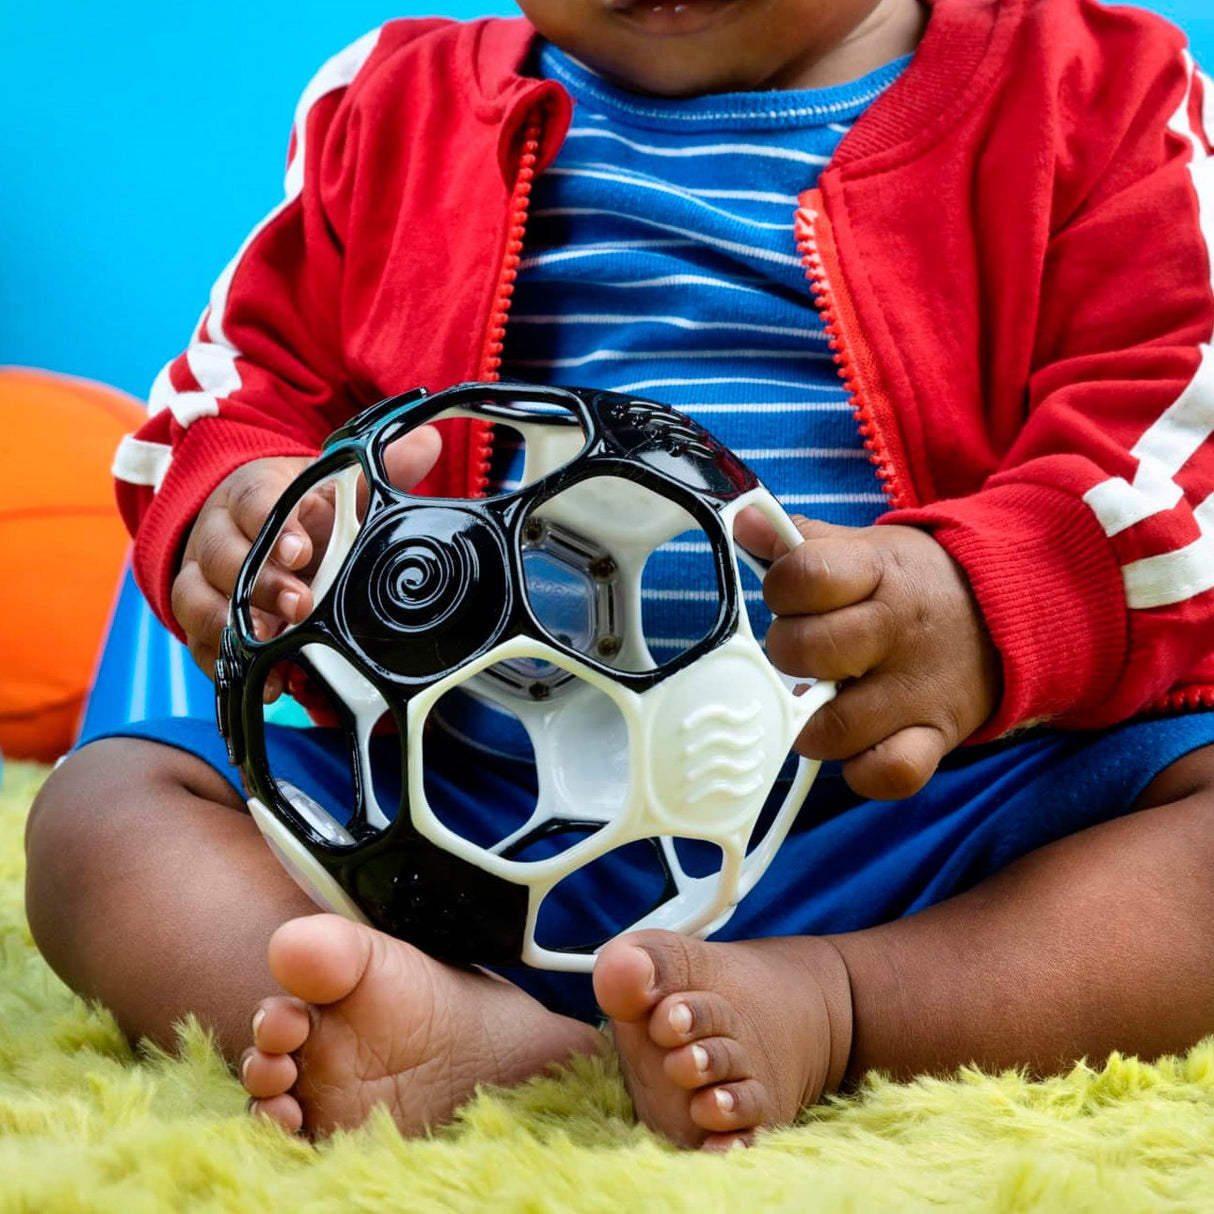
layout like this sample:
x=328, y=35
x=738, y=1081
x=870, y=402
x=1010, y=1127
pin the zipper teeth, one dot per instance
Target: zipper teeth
x=1189, y=699
x=491, y=359
x=819, y=285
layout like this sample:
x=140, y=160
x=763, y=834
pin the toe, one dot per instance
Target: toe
x=265, y=1075
x=280, y=1025
x=730, y=1107
x=283, y=1109
x=690, y=1016
x=635, y=971
x=623, y=981
x=711, y=1061
x=320, y=958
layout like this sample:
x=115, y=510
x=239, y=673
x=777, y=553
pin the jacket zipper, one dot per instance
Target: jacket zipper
x=491, y=354
x=1187, y=699
x=809, y=215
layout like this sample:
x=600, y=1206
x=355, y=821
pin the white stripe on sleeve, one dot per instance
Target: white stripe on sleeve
x=1174, y=437
x=141, y=463
x=1161, y=453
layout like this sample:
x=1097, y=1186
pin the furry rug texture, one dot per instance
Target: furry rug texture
x=88, y=1124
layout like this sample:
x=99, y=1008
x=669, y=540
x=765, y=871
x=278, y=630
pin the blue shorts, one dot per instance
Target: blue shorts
x=847, y=864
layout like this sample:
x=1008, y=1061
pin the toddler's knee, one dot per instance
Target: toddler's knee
x=71, y=803
x=66, y=829
x=88, y=815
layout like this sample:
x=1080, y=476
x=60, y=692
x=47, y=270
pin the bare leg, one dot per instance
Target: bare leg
x=1100, y=941
x=150, y=889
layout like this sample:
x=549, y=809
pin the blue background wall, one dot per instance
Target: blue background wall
x=139, y=142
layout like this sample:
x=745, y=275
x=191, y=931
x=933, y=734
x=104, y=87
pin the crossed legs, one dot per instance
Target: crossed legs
x=150, y=889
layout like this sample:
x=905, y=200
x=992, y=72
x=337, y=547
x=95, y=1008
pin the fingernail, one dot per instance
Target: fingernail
x=244, y=1067
x=699, y=1058
x=288, y=603
x=289, y=547
x=726, y=1100
x=681, y=1018
x=258, y=1017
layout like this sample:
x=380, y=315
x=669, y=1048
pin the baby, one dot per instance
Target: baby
x=940, y=272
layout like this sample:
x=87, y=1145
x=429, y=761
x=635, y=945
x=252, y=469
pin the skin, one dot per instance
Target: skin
x=748, y=45
x=150, y=889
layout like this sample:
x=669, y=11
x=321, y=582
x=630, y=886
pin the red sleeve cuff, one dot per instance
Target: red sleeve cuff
x=1050, y=591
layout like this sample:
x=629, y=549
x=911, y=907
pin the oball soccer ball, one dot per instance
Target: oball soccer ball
x=531, y=604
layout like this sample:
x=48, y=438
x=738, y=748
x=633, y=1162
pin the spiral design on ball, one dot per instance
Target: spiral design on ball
x=419, y=583
x=427, y=588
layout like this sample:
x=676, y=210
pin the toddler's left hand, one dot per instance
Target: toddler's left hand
x=887, y=613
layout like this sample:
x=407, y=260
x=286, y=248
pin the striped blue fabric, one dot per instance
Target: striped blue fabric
x=660, y=260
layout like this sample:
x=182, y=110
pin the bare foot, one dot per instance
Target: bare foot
x=375, y=1021
x=718, y=1040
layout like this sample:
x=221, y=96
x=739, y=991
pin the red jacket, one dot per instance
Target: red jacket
x=1009, y=246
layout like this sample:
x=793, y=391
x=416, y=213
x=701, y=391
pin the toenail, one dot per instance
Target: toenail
x=681, y=1018
x=258, y=1017
x=651, y=978
x=699, y=1058
x=726, y=1100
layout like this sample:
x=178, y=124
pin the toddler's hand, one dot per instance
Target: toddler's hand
x=229, y=522
x=887, y=613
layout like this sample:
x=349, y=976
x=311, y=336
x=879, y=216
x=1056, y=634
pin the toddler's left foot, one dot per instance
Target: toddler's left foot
x=718, y=1040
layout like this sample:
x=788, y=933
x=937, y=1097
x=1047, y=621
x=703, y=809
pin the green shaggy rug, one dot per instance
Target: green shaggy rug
x=87, y=1124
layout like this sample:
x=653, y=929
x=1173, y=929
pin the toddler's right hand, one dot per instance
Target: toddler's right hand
x=887, y=613
x=229, y=522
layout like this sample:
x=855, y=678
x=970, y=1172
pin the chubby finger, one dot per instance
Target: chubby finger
x=202, y=612
x=293, y=548
x=217, y=550
x=295, y=545
x=843, y=644
x=204, y=657
x=410, y=457
x=254, y=492
x=824, y=573
x=863, y=714
x=758, y=535
x=754, y=531
x=898, y=766
x=217, y=547
x=279, y=596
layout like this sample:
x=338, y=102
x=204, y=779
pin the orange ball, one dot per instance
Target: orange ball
x=62, y=547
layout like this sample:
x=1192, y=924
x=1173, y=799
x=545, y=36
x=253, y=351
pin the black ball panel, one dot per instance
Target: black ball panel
x=442, y=904
x=425, y=588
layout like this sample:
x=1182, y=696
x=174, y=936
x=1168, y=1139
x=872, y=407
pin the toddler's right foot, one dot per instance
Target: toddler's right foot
x=720, y=1040
x=375, y=1021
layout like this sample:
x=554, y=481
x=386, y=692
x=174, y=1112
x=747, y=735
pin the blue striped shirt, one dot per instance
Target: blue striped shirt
x=660, y=259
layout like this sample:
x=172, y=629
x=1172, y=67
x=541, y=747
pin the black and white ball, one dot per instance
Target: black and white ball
x=528, y=603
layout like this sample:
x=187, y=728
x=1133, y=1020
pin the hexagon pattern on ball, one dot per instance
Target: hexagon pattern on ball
x=528, y=600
